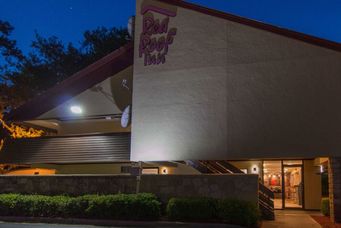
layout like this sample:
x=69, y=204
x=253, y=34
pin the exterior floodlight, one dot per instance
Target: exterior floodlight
x=76, y=109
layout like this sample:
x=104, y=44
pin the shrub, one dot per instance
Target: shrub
x=325, y=206
x=77, y=206
x=192, y=208
x=121, y=206
x=227, y=210
x=8, y=204
x=238, y=212
x=31, y=205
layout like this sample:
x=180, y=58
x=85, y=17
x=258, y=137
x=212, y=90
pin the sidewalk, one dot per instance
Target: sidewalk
x=292, y=219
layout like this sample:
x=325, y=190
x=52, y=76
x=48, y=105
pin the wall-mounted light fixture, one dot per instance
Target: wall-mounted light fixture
x=164, y=170
x=254, y=169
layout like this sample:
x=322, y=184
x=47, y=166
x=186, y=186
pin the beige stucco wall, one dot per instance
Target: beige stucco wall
x=312, y=186
x=33, y=171
x=91, y=126
x=229, y=91
x=252, y=167
x=113, y=168
x=90, y=169
x=180, y=169
x=84, y=168
x=82, y=126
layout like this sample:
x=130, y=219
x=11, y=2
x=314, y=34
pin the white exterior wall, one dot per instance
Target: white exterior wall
x=229, y=91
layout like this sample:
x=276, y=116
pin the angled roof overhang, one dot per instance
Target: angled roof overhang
x=102, y=69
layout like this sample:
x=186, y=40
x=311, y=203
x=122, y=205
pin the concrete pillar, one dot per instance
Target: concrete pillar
x=334, y=172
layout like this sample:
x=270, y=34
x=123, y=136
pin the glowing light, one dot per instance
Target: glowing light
x=164, y=170
x=17, y=131
x=76, y=109
x=255, y=169
x=321, y=169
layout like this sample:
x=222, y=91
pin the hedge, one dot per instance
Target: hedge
x=192, y=208
x=231, y=211
x=238, y=212
x=325, y=206
x=143, y=206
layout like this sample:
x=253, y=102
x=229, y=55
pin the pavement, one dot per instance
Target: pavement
x=292, y=219
x=116, y=224
x=47, y=225
x=284, y=219
x=41, y=225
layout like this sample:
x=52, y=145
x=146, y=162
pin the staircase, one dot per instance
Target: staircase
x=265, y=195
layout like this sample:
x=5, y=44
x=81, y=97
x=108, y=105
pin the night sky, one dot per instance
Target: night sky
x=67, y=19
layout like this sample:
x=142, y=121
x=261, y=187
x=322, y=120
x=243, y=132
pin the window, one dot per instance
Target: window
x=148, y=171
x=292, y=162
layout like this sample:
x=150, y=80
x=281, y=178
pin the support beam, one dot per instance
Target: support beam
x=334, y=172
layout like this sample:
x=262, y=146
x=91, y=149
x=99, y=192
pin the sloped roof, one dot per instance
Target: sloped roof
x=257, y=24
x=123, y=57
x=102, y=69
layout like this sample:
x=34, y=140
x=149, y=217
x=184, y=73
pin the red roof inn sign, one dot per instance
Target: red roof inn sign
x=156, y=36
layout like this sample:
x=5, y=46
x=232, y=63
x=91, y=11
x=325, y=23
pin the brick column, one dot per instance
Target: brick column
x=334, y=173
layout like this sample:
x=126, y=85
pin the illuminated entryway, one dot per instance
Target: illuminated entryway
x=285, y=179
x=272, y=178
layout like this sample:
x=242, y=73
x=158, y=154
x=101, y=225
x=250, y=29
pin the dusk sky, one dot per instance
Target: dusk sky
x=67, y=19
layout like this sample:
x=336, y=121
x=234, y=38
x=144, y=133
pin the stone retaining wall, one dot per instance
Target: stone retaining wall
x=164, y=186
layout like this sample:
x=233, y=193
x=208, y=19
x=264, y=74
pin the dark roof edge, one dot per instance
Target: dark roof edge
x=91, y=75
x=257, y=24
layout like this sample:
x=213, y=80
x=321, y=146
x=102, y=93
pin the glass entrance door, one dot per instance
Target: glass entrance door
x=285, y=179
x=272, y=178
x=293, y=186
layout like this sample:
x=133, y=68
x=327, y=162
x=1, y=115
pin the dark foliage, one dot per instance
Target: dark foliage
x=238, y=212
x=192, y=208
x=207, y=209
x=325, y=206
x=143, y=206
x=50, y=61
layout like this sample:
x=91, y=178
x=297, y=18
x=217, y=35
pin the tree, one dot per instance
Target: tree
x=10, y=55
x=8, y=48
x=101, y=41
x=50, y=61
